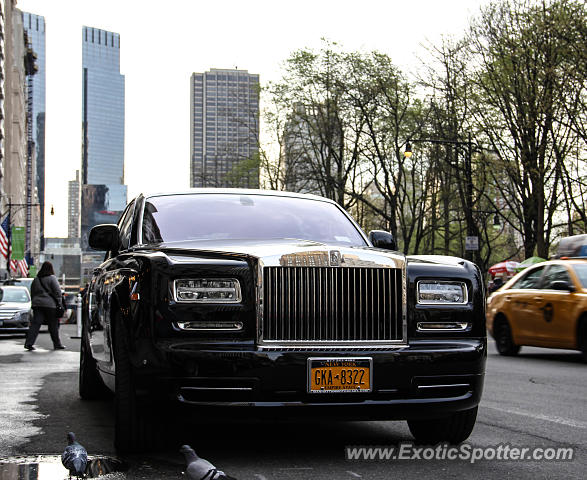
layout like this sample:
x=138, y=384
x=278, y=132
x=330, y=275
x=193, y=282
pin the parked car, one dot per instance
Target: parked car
x=23, y=282
x=573, y=246
x=15, y=309
x=543, y=306
x=277, y=302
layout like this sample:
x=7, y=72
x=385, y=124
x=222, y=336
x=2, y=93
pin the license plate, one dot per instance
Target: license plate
x=339, y=375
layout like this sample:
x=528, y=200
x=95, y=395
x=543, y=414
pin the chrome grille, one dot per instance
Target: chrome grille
x=332, y=304
x=7, y=313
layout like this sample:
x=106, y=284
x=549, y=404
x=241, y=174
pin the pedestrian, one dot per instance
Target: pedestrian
x=46, y=296
x=497, y=284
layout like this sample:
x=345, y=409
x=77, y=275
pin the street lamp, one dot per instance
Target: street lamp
x=408, y=152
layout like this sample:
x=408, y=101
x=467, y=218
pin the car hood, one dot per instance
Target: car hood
x=15, y=306
x=286, y=252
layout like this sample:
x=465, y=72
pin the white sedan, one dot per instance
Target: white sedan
x=15, y=309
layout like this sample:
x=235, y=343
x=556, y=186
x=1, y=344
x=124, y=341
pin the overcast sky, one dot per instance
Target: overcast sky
x=163, y=42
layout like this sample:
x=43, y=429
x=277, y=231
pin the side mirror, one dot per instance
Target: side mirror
x=562, y=285
x=104, y=237
x=382, y=239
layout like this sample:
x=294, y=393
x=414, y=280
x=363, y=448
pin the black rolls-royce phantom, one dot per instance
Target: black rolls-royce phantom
x=274, y=302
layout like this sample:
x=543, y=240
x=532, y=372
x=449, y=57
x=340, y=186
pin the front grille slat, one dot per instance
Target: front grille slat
x=322, y=305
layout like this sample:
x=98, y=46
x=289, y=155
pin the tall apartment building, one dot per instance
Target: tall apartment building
x=103, y=193
x=34, y=26
x=73, y=206
x=307, y=157
x=18, y=197
x=224, y=129
x=2, y=123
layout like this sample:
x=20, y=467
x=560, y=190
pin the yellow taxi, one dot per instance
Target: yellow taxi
x=543, y=306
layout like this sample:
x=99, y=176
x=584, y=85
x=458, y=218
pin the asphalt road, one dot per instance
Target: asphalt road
x=536, y=400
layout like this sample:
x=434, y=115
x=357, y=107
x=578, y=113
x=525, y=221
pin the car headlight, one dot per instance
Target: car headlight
x=439, y=292
x=22, y=316
x=207, y=290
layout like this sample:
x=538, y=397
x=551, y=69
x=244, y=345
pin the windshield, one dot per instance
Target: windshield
x=581, y=271
x=245, y=217
x=18, y=295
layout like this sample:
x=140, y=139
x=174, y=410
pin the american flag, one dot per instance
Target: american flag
x=5, y=227
x=19, y=268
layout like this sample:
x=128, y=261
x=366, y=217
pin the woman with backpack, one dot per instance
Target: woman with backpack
x=47, y=304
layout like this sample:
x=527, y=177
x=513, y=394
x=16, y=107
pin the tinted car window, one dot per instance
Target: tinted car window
x=581, y=271
x=530, y=280
x=555, y=273
x=245, y=217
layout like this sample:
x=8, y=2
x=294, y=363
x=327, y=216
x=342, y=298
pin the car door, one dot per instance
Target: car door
x=522, y=309
x=555, y=325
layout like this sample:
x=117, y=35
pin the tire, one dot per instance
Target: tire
x=453, y=429
x=582, y=337
x=504, y=341
x=91, y=386
x=133, y=431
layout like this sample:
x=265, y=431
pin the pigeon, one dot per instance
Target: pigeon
x=200, y=469
x=74, y=457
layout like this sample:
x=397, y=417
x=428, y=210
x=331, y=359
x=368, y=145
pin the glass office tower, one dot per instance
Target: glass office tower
x=102, y=109
x=103, y=193
x=34, y=26
x=224, y=129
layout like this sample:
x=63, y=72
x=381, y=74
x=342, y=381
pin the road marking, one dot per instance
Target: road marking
x=538, y=416
x=356, y=475
x=260, y=477
x=296, y=468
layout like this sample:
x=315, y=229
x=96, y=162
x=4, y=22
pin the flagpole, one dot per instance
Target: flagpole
x=9, y=235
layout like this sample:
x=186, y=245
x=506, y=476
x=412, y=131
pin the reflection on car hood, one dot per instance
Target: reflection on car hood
x=288, y=252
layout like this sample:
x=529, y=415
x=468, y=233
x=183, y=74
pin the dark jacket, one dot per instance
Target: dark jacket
x=48, y=296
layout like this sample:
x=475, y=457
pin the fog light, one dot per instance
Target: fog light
x=203, y=290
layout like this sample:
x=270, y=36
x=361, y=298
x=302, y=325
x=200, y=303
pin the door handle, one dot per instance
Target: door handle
x=537, y=298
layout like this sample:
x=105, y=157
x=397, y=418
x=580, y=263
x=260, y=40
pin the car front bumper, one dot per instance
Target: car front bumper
x=424, y=379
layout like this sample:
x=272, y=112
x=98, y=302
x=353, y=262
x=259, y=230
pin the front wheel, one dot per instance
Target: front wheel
x=133, y=427
x=453, y=429
x=582, y=337
x=504, y=341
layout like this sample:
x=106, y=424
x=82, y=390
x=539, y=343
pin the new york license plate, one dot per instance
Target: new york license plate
x=339, y=375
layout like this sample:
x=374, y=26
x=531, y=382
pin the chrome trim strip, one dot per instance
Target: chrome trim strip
x=230, y=326
x=448, y=326
x=320, y=346
x=453, y=385
x=231, y=389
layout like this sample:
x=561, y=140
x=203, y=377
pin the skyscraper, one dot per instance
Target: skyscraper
x=34, y=26
x=103, y=192
x=224, y=129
